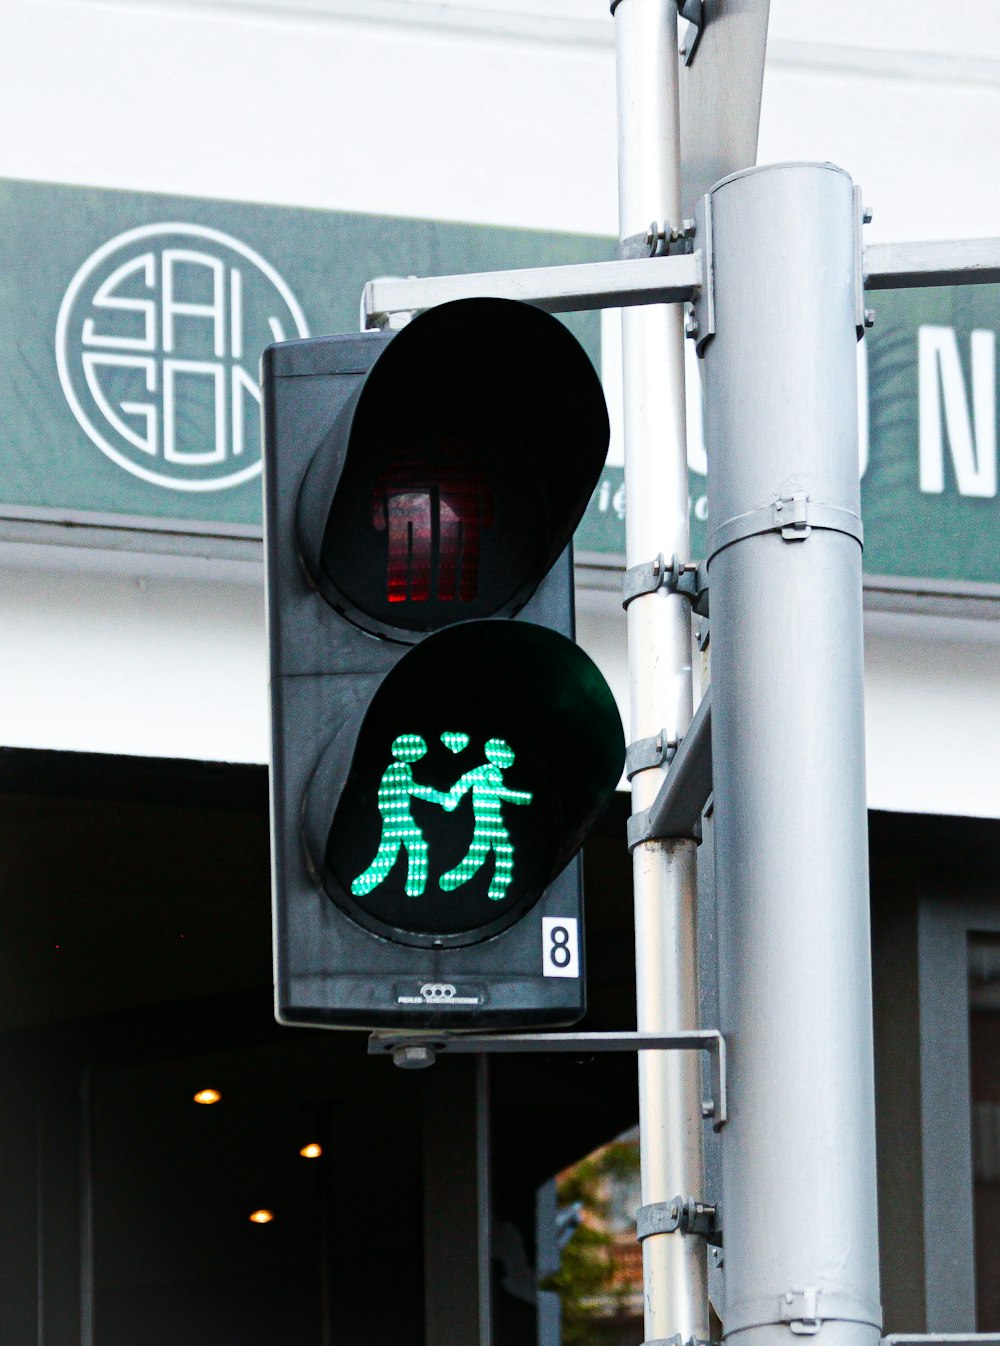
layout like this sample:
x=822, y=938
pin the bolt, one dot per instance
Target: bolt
x=869, y=317
x=674, y=1212
x=691, y=325
x=688, y=229
x=415, y=1056
x=708, y=1108
x=866, y=215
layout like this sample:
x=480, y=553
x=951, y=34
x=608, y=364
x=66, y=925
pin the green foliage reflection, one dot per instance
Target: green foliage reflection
x=600, y=1271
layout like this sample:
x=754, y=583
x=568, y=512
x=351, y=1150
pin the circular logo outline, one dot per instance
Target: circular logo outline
x=62, y=324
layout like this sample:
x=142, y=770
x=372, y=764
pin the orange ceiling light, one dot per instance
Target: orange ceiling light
x=311, y=1151
x=207, y=1096
x=261, y=1216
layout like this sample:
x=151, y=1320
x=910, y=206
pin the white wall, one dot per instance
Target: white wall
x=497, y=111
x=932, y=708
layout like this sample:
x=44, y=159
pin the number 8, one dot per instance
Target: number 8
x=560, y=951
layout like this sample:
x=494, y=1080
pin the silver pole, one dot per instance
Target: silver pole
x=799, y=1201
x=659, y=646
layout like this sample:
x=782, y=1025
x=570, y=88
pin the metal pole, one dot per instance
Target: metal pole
x=659, y=644
x=798, y=1151
x=484, y=1201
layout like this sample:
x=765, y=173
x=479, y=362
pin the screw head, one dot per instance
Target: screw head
x=691, y=325
x=867, y=215
x=869, y=317
x=708, y=1104
x=415, y=1056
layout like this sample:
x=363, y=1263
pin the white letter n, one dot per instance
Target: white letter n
x=974, y=457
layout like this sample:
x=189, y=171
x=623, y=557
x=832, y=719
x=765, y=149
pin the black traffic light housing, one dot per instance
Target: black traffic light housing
x=435, y=768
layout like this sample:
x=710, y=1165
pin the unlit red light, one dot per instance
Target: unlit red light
x=311, y=1151
x=207, y=1096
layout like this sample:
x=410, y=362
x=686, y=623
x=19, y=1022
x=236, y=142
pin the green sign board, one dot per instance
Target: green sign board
x=133, y=326
x=928, y=443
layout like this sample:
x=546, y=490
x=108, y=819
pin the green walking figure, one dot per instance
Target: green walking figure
x=489, y=832
x=395, y=791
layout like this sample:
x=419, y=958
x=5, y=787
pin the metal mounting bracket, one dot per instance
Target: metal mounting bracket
x=688, y=578
x=659, y=241
x=414, y=1051
x=863, y=317
x=694, y=12
x=676, y=811
x=685, y=1215
x=700, y=326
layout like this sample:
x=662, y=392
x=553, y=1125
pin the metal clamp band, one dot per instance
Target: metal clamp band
x=686, y=578
x=803, y=1311
x=793, y=516
x=655, y=242
x=686, y=1215
x=646, y=753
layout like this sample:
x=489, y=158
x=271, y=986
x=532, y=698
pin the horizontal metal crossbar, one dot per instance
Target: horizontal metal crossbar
x=665, y=280
x=428, y=1045
x=558, y=289
x=960, y=261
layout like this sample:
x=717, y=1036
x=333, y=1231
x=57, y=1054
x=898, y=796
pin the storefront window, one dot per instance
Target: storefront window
x=984, y=1041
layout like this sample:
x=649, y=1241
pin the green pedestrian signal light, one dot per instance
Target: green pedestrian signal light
x=441, y=747
x=400, y=832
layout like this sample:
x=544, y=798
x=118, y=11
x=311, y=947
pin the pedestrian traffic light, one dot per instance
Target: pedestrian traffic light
x=441, y=747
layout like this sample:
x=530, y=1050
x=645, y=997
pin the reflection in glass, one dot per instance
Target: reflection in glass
x=432, y=501
x=599, y=1279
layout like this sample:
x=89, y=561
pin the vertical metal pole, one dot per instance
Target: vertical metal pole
x=659, y=639
x=784, y=550
x=457, y=1204
x=484, y=1200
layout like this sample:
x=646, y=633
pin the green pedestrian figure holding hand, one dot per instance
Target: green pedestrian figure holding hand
x=489, y=832
x=395, y=791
